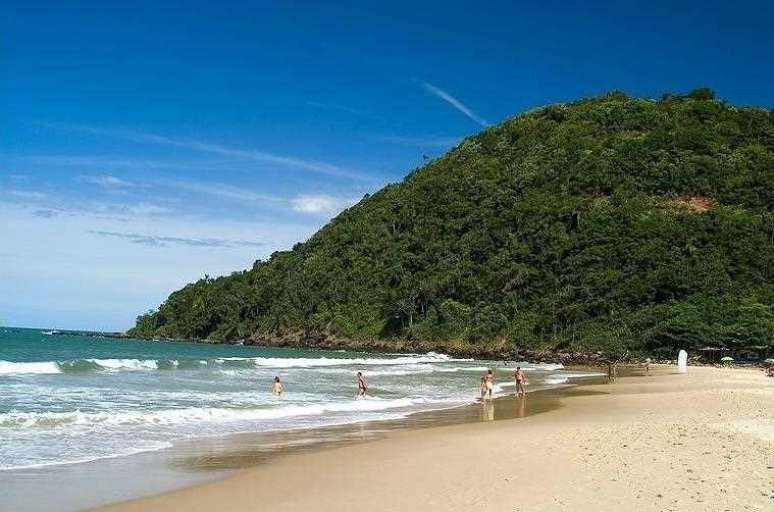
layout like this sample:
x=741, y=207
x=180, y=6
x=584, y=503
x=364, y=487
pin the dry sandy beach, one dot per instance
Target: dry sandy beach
x=665, y=442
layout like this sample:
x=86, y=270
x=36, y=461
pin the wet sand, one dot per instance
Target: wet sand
x=701, y=441
x=240, y=451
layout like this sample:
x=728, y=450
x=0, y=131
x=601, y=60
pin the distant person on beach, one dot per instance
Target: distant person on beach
x=520, y=379
x=361, y=385
x=277, y=387
x=489, y=382
x=611, y=371
x=482, y=389
x=647, y=366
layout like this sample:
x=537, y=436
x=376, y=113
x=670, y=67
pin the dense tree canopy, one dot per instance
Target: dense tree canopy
x=610, y=223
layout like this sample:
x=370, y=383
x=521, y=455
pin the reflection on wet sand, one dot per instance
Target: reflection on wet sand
x=487, y=411
x=521, y=406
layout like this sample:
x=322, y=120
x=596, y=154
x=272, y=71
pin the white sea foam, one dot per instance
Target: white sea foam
x=563, y=378
x=397, y=373
x=310, y=362
x=456, y=369
x=150, y=446
x=548, y=367
x=583, y=375
x=19, y=368
x=126, y=364
x=81, y=365
x=53, y=367
x=194, y=415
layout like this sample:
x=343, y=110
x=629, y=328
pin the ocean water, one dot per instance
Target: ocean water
x=72, y=399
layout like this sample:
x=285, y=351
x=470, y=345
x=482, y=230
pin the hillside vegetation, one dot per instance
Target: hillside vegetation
x=612, y=223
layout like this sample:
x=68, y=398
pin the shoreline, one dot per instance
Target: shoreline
x=493, y=351
x=638, y=443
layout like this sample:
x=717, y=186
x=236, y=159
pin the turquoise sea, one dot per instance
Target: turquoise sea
x=67, y=400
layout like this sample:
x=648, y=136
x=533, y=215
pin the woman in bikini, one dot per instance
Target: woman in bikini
x=277, y=387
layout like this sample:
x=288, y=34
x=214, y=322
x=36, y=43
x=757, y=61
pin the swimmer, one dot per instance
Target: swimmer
x=362, y=387
x=277, y=387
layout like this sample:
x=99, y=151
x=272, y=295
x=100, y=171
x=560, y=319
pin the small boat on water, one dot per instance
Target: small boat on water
x=52, y=332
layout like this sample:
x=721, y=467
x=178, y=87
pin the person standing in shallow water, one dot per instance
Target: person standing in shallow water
x=277, y=387
x=612, y=371
x=482, y=389
x=489, y=383
x=361, y=385
x=520, y=379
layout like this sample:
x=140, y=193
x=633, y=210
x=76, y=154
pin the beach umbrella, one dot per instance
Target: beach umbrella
x=727, y=359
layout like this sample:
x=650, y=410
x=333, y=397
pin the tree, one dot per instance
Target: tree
x=608, y=224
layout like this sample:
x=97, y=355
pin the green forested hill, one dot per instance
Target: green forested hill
x=607, y=224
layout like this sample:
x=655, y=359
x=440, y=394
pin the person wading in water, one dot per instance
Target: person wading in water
x=277, y=387
x=361, y=385
x=520, y=379
x=489, y=382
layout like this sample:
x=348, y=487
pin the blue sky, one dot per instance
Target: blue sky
x=143, y=147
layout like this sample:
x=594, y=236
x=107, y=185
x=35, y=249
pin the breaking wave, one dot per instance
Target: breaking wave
x=88, y=365
x=193, y=415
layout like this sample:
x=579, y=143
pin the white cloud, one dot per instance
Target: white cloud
x=117, y=162
x=28, y=194
x=454, y=102
x=293, y=162
x=64, y=205
x=223, y=191
x=316, y=204
x=147, y=209
x=165, y=241
x=107, y=181
x=320, y=204
x=100, y=210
